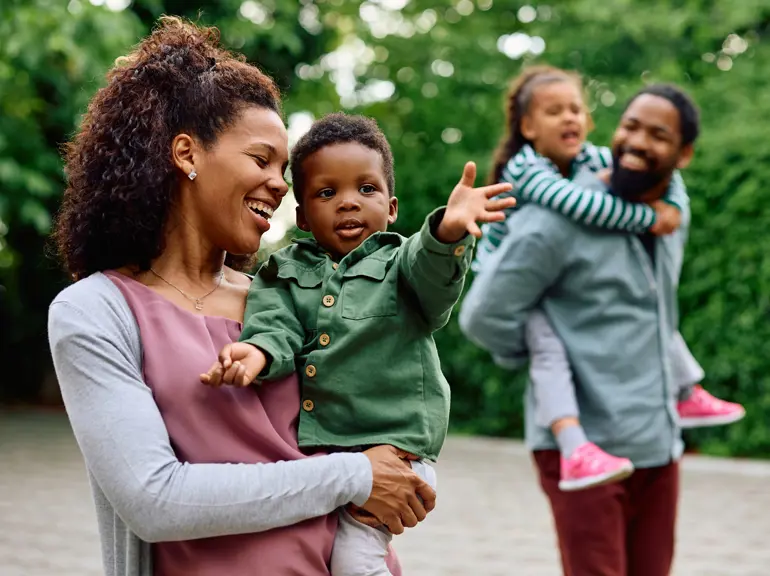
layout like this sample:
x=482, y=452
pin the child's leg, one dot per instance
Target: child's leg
x=360, y=550
x=555, y=403
x=695, y=406
x=684, y=368
x=583, y=464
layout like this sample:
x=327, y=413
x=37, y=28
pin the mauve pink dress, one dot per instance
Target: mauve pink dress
x=225, y=425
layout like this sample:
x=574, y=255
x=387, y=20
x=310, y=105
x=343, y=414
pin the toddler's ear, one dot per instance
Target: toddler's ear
x=393, y=210
x=301, y=221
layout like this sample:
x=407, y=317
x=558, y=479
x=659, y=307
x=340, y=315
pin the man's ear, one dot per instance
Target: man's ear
x=685, y=157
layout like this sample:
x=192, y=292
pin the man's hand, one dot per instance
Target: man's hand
x=667, y=218
x=239, y=364
x=468, y=205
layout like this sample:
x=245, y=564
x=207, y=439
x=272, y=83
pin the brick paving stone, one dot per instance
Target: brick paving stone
x=491, y=518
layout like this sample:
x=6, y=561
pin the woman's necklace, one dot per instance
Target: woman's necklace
x=197, y=301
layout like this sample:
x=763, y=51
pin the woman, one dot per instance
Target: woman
x=179, y=162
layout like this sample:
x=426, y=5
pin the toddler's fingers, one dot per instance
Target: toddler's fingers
x=495, y=189
x=231, y=373
x=500, y=204
x=474, y=230
x=215, y=375
x=225, y=356
x=491, y=217
x=242, y=379
x=469, y=174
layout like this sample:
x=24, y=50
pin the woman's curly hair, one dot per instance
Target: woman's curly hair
x=120, y=175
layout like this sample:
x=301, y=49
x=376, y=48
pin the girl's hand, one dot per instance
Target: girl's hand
x=605, y=175
x=468, y=205
x=667, y=218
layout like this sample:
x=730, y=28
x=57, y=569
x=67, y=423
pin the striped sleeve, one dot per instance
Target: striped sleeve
x=535, y=179
x=595, y=158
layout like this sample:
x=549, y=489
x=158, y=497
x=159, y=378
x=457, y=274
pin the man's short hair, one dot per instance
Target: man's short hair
x=689, y=116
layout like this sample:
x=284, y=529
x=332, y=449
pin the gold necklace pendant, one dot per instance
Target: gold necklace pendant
x=197, y=302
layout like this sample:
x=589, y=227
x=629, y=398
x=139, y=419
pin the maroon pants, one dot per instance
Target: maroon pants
x=622, y=529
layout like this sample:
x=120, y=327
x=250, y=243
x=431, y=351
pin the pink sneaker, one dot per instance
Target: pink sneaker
x=703, y=409
x=591, y=466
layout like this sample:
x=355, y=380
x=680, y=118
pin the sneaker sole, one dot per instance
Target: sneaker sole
x=600, y=480
x=705, y=421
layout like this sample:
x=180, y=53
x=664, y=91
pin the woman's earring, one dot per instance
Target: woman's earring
x=192, y=174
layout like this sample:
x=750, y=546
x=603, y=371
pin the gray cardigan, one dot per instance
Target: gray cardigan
x=142, y=492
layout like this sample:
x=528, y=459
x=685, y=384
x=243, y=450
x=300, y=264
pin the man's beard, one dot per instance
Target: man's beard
x=632, y=185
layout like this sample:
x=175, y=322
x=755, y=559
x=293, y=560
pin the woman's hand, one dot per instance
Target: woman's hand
x=399, y=496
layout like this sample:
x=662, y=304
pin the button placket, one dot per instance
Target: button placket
x=325, y=316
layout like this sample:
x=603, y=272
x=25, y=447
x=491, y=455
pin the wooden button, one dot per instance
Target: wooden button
x=328, y=301
x=308, y=405
x=310, y=371
x=460, y=250
x=324, y=339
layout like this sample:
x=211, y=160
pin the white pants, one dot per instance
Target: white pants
x=360, y=550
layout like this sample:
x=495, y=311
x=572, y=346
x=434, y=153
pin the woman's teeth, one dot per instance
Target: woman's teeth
x=260, y=208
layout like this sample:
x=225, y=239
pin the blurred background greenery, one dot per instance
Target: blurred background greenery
x=433, y=73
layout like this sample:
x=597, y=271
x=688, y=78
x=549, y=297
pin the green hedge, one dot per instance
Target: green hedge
x=54, y=55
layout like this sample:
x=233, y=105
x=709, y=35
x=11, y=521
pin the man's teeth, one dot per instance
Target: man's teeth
x=634, y=162
x=257, y=206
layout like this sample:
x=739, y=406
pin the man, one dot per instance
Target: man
x=611, y=298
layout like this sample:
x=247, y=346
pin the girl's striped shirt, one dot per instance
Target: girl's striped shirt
x=536, y=179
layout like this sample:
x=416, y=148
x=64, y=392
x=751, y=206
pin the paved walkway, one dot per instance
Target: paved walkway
x=491, y=519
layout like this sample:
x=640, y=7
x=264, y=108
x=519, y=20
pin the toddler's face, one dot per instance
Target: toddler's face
x=346, y=197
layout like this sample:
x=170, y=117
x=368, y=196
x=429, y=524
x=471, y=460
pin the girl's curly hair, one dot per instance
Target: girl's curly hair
x=517, y=103
x=120, y=175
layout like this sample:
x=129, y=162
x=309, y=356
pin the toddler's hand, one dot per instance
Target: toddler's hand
x=667, y=218
x=239, y=364
x=468, y=205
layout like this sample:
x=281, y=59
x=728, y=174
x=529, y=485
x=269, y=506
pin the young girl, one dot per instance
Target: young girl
x=544, y=147
x=354, y=310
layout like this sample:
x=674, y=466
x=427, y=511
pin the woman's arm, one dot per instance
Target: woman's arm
x=126, y=446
